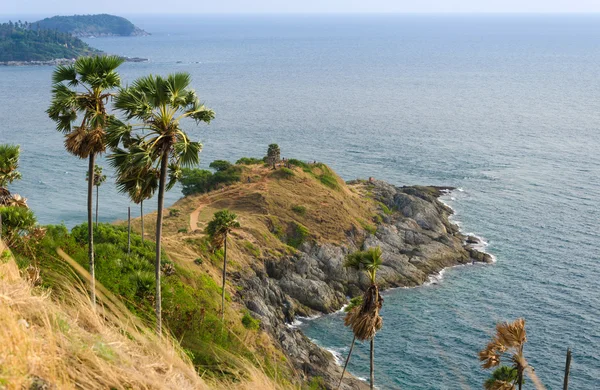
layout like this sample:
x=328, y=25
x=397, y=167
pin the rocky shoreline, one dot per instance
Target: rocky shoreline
x=418, y=240
x=60, y=61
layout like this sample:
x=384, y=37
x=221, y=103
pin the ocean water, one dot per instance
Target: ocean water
x=504, y=107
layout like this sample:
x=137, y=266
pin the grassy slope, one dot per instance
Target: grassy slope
x=62, y=343
x=277, y=209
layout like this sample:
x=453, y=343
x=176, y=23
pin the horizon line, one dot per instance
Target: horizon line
x=304, y=13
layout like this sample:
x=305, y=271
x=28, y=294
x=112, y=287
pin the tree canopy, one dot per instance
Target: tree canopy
x=23, y=42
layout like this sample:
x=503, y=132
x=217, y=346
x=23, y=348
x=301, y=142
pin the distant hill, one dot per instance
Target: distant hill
x=19, y=42
x=84, y=26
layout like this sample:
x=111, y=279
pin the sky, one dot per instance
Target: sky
x=66, y=7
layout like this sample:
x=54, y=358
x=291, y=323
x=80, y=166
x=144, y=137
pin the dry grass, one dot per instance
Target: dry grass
x=65, y=344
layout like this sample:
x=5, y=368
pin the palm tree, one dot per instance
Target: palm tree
x=159, y=104
x=510, y=338
x=82, y=89
x=364, y=319
x=503, y=378
x=99, y=178
x=135, y=177
x=223, y=222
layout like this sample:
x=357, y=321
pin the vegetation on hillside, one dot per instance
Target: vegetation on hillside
x=21, y=42
x=89, y=25
x=198, y=181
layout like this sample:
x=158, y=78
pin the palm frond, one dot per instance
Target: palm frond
x=65, y=73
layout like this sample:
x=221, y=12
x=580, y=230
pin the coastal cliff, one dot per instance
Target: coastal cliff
x=278, y=277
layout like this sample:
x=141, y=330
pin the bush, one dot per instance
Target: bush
x=298, y=209
x=299, y=233
x=194, y=181
x=386, y=210
x=16, y=220
x=329, y=180
x=250, y=161
x=298, y=163
x=250, y=322
x=285, y=173
x=220, y=165
x=197, y=181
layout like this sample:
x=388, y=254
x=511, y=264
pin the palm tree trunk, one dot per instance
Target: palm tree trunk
x=142, y=215
x=372, y=384
x=91, y=228
x=128, y=230
x=161, y=200
x=347, y=360
x=224, y=277
x=520, y=377
x=97, y=191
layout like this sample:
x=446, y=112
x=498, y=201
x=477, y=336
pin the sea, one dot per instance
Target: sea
x=506, y=108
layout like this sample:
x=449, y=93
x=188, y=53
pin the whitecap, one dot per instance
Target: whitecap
x=337, y=356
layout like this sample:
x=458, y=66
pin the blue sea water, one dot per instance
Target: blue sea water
x=505, y=107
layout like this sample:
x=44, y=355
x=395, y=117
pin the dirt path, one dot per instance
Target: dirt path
x=194, y=217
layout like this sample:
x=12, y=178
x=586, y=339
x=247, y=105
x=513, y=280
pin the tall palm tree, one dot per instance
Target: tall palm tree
x=135, y=177
x=223, y=222
x=159, y=104
x=80, y=92
x=510, y=338
x=99, y=179
x=364, y=319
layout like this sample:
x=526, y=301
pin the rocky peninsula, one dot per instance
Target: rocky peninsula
x=277, y=282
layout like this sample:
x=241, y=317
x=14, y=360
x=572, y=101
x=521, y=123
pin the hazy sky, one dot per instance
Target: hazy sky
x=292, y=6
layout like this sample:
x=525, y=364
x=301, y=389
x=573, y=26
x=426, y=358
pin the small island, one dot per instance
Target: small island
x=88, y=26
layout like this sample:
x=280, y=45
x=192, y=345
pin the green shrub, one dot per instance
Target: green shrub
x=174, y=212
x=182, y=230
x=316, y=383
x=329, y=180
x=285, y=173
x=298, y=163
x=298, y=209
x=220, y=165
x=250, y=161
x=250, y=322
x=367, y=226
x=197, y=181
x=16, y=221
x=386, y=210
x=299, y=233
x=254, y=250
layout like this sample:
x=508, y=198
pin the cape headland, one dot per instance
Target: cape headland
x=298, y=223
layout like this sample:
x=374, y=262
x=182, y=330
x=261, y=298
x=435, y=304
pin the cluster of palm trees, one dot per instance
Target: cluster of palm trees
x=148, y=154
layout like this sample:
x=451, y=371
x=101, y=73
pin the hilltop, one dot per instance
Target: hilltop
x=85, y=26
